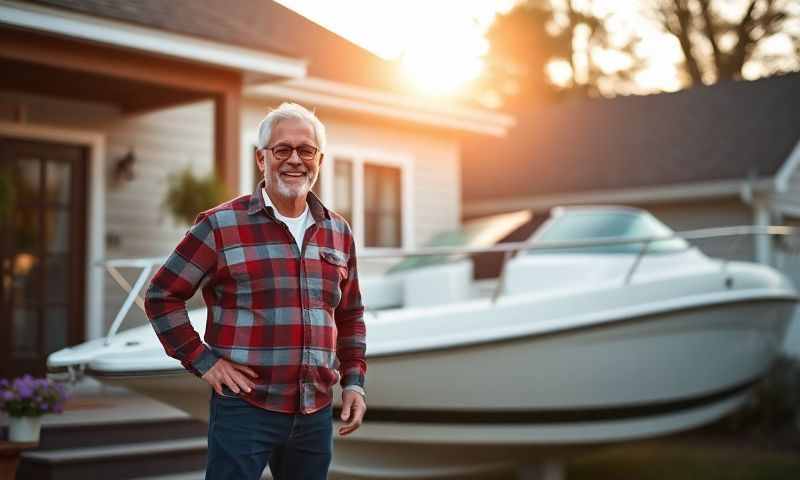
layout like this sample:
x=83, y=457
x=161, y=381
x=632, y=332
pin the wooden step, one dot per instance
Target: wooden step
x=117, y=461
x=132, y=431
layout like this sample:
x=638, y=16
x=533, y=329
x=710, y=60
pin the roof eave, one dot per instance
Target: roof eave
x=256, y=65
x=408, y=108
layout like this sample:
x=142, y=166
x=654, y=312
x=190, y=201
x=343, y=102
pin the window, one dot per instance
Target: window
x=382, y=214
x=372, y=191
x=579, y=225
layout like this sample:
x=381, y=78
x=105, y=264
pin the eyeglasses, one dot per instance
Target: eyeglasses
x=283, y=152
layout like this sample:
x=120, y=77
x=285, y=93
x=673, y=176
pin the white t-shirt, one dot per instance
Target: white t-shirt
x=297, y=225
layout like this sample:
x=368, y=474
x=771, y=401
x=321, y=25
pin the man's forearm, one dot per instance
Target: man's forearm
x=172, y=286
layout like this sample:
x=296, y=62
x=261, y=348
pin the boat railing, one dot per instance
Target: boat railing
x=508, y=250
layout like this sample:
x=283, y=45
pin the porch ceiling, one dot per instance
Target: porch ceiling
x=127, y=94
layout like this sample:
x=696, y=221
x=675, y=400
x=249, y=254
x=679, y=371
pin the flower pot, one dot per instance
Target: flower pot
x=24, y=429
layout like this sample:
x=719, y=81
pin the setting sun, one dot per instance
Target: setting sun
x=442, y=67
x=439, y=44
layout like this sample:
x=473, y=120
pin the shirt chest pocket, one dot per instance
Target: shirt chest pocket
x=333, y=271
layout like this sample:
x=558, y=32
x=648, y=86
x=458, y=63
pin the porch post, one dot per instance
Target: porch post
x=227, y=137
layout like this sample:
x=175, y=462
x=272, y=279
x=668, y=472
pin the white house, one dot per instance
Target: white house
x=101, y=100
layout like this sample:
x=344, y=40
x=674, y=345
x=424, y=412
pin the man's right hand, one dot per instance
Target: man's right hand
x=225, y=372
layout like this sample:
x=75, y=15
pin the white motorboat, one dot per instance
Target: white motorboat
x=605, y=326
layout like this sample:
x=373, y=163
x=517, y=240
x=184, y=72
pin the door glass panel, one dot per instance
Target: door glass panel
x=27, y=180
x=26, y=229
x=7, y=193
x=57, y=182
x=57, y=281
x=55, y=334
x=25, y=330
x=25, y=268
x=57, y=230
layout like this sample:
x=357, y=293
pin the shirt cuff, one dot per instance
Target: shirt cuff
x=357, y=389
x=205, y=361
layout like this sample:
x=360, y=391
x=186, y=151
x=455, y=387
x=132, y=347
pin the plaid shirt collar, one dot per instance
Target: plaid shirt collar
x=315, y=206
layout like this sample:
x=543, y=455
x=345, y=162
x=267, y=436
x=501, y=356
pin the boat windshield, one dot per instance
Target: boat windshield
x=586, y=224
x=481, y=232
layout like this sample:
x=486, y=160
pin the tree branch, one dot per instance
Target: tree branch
x=711, y=32
x=744, y=42
x=684, y=33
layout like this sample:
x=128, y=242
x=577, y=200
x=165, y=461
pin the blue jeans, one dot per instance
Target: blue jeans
x=243, y=438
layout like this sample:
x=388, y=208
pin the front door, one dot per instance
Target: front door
x=42, y=252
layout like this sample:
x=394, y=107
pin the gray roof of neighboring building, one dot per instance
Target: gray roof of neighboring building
x=258, y=24
x=727, y=131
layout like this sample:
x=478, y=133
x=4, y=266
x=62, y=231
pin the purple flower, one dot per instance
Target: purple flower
x=26, y=396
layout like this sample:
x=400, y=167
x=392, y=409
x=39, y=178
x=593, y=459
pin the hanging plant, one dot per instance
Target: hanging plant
x=187, y=195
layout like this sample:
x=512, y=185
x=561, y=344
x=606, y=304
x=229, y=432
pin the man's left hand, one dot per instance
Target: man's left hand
x=353, y=408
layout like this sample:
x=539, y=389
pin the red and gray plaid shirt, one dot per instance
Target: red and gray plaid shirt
x=293, y=315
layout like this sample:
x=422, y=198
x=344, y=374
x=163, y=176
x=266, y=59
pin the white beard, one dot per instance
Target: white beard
x=289, y=191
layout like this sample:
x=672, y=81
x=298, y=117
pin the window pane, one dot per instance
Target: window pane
x=25, y=330
x=26, y=229
x=382, y=206
x=57, y=280
x=57, y=230
x=7, y=193
x=343, y=188
x=26, y=273
x=55, y=333
x=26, y=181
x=57, y=182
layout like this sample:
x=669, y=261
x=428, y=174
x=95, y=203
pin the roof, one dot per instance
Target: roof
x=727, y=131
x=257, y=24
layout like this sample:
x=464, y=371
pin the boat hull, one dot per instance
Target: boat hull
x=550, y=392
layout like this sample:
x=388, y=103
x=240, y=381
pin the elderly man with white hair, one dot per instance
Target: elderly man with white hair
x=285, y=318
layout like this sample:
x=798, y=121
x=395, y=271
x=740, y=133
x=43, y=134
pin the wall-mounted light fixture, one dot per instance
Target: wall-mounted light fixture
x=122, y=170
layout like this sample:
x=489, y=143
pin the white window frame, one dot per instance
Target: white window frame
x=358, y=156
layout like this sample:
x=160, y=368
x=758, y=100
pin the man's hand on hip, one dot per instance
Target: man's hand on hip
x=353, y=408
x=233, y=375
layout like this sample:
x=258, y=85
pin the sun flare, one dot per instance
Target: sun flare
x=436, y=71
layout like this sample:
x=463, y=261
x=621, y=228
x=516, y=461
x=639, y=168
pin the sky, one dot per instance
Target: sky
x=440, y=42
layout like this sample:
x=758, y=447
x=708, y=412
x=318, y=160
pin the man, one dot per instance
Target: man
x=285, y=318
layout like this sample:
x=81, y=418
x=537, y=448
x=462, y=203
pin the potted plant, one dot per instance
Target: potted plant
x=187, y=195
x=26, y=399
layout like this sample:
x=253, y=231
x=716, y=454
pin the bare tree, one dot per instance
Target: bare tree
x=720, y=40
x=717, y=45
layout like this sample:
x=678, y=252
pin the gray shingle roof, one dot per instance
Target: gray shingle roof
x=258, y=24
x=720, y=132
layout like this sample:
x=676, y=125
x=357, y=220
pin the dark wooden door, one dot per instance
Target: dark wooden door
x=42, y=252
